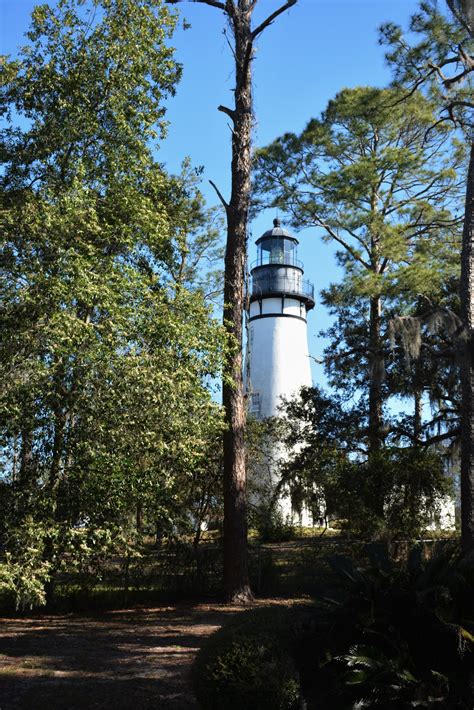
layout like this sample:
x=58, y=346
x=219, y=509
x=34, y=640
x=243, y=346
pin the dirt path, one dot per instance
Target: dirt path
x=135, y=659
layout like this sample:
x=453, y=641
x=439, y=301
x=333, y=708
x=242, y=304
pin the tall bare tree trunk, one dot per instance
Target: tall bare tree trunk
x=235, y=516
x=417, y=413
x=376, y=374
x=467, y=366
x=239, y=15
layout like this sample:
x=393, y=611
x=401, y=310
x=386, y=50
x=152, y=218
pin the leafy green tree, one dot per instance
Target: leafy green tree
x=438, y=57
x=107, y=355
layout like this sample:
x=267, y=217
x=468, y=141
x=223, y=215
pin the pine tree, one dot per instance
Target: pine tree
x=238, y=13
x=442, y=64
x=377, y=183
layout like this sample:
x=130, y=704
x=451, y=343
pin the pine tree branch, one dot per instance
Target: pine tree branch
x=230, y=112
x=212, y=3
x=460, y=17
x=258, y=30
x=451, y=434
x=334, y=235
x=219, y=195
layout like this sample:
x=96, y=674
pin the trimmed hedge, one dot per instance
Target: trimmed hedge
x=249, y=664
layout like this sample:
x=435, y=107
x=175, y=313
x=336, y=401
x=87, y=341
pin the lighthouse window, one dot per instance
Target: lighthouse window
x=254, y=403
x=277, y=252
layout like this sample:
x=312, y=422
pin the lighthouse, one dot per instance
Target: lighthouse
x=279, y=299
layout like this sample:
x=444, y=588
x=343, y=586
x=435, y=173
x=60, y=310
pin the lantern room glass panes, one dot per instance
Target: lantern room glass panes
x=277, y=250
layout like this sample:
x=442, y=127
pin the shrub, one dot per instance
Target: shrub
x=270, y=523
x=24, y=573
x=248, y=664
x=393, y=635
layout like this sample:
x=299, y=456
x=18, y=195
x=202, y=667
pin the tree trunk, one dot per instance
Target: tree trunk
x=139, y=517
x=235, y=513
x=417, y=415
x=26, y=458
x=467, y=369
x=60, y=421
x=376, y=374
x=239, y=14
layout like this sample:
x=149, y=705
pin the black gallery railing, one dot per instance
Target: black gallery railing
x=275, y=283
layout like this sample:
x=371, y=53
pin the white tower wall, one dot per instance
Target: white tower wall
x=279, y=363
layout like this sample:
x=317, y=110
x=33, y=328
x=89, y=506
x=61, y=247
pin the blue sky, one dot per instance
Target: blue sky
x=309, y=54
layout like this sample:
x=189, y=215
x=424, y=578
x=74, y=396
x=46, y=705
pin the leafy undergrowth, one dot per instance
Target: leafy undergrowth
x=178, y=571
x=250, y=663
x=385, y=633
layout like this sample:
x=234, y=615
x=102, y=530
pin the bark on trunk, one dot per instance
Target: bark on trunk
x=467, y=369
x=417, y=421
x=26, y=459
x=376, y=365
x=239, y=14
x=60, y=422
x=26, y=476
x=236, y=581
x=139, y=517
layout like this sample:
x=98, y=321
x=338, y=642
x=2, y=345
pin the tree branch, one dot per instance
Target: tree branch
x=450, y=434
x=230, y=112
x=212, y=3
x=334, y=235
x=463, y=20
x=258, y=30
x=219, y=195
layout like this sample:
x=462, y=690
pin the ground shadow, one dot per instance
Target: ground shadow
x=122, y=660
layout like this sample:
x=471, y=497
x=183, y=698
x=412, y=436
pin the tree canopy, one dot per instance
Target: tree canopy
x=108, y=352
x=375, y=177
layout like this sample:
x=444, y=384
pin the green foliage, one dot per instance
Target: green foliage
x=367, y=174
x=248, y=664
x=110, y=346
x=396, y=635
x=398, y=493
x=24, y=572
x=395, y=493
x=91, y=84
x=270, y=523
x=436, y=55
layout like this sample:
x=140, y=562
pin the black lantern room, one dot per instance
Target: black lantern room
x=277, y=270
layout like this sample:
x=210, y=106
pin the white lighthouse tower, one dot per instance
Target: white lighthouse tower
x=278, y=362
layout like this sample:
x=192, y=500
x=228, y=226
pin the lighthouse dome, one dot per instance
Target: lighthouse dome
x=277, y=232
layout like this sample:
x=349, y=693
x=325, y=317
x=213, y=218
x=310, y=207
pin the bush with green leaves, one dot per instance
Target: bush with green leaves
x=396, y=492
x=41, y=556
x=24, y=572
x=270, y=523
x=248, y=664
